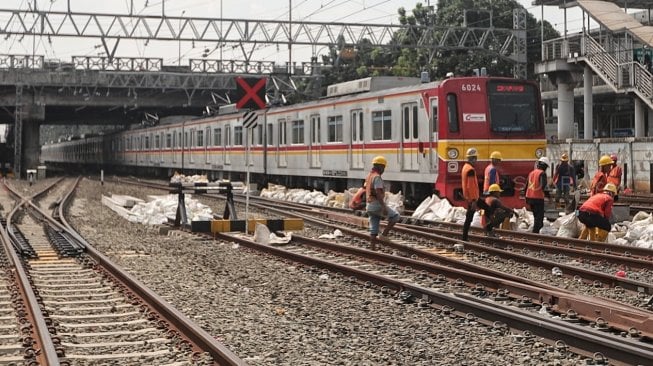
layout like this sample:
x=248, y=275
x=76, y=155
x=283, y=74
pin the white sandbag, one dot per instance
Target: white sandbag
x=425, y=206
x=569, y=226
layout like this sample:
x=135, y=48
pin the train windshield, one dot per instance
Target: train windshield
x=513, y=107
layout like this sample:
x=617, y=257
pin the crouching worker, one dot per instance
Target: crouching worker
x=376, y=206
x=496, y=212
x=595, y=214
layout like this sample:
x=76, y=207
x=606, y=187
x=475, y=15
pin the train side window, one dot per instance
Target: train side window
x=282, y=132
x=270, y=134
x=157, y=142
x=297, y=132
x=217, y=137
x=382, y=125
x=334, y=129
x=360, y=126
x=200, y=138
x=238, y=135
x=259, y=136
x=227, y=135
x=452, y=110
x=168, y=141
x=186, y=141
x=434, y=115
x=207, y=136
x=415, y=124
x=315, y=130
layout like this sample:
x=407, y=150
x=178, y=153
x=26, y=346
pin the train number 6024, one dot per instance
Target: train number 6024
x=470, y=87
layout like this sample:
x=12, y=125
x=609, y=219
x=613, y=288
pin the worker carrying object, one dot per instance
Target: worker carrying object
x=595, y=214
x=496, y=212
x=601, y=177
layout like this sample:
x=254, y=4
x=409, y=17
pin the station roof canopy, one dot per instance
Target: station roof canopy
x=630, y=4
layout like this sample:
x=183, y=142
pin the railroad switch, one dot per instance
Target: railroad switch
x=223, y=187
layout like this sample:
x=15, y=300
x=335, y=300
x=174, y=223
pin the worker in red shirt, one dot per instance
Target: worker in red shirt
x=595, y=214
x=601, y=177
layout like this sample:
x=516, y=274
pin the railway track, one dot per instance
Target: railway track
x=91, y=311
x=425, y=274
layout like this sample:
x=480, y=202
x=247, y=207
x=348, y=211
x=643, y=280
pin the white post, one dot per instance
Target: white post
x=247, y=183
x=102, y=177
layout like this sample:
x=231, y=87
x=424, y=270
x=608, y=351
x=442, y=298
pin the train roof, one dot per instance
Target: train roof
x=370, y=84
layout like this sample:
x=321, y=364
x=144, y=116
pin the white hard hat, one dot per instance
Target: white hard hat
x=543, y=160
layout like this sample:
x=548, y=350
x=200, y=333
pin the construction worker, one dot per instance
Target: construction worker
x=496, y=212
x=376, y=206
x=564, y=179
x=535, y=192
x=614, y=176
x=595, y=214
x=470, y=188
x=491, y=172
x=601, y=177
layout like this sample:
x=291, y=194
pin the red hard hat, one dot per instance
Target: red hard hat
x=621, y=273
x=613, y=157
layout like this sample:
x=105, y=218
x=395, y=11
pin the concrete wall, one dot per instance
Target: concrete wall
x=634, y=154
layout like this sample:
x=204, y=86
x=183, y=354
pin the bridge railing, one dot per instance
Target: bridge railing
x=21, y=61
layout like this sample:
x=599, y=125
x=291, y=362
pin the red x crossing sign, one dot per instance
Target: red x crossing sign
x=250, y=92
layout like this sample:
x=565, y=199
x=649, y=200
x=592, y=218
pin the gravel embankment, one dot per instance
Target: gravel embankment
x=271, y=312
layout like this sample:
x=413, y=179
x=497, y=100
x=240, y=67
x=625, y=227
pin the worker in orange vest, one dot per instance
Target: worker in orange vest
x=535, y=192
x=496, y=212
x=491, y=171
x=614, y=176
x=601, y=177
x=595, y=214
x=471, y=192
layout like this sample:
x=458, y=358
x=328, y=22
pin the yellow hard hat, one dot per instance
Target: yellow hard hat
x=496, y=155
x=380, y=160
x=564, y=157
x=494, y=188
x=471, y=152
x=605, y=160
x=610, y=187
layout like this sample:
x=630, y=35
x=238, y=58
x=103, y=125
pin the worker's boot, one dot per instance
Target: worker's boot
x=601, y=235
x=592, y=235
x=584, y=234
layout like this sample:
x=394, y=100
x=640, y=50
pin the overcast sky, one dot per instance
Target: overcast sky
x=355, y=11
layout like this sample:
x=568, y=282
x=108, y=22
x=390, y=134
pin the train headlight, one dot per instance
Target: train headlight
x=539, y=153
x=452, y=153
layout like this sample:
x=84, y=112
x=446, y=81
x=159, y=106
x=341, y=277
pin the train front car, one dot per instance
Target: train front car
x=489, y=114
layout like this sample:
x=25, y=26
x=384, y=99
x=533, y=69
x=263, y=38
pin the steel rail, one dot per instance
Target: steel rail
x=46, y=354
x=619, y=350
x=200, y=339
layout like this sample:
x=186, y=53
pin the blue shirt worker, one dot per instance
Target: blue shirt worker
x=376, y=206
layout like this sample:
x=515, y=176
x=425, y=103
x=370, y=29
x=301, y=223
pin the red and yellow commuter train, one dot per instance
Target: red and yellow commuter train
x=423, y=130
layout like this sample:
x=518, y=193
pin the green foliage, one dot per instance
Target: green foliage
x=367, y=60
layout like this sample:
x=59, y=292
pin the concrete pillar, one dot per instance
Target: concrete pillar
x=31, y=145
x=639, y=118
x=650, y=122
x=588, y=106
x=565, y=111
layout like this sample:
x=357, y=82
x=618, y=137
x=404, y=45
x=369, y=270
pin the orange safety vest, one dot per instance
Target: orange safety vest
x=470, y=183
x=599, y=204
x=486, y=181
x=614, y=176
x=598, y=182
x=369, y=190
x=535, y=189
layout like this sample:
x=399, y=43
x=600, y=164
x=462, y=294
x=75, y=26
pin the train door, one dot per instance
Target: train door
x=315, y=144
x=227, y=144
x=282, y=143
x=433, y=138
x=356, y=146
x=409, y=137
